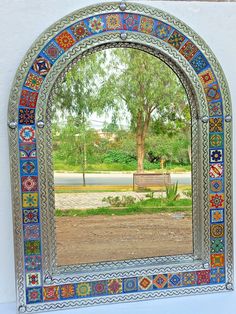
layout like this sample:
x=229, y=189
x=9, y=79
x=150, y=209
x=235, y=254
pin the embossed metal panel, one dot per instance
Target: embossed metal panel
x=41, y=285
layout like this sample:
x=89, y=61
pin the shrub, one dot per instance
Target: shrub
x=151, y=165
x=117, y=156
x=117, y=201
x=172, y=192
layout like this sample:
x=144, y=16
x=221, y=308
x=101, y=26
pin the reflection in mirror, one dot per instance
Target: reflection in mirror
x=122, y=160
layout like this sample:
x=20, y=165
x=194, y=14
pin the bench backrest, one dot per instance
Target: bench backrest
x=151, y=179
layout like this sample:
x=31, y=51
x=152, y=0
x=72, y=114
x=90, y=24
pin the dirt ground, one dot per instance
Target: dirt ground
x=106, y=238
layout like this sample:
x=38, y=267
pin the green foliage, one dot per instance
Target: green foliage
x=77, y=94
x=69, y=141
x=172, y=192
x=174, y=149
x=128, y=85
x=133, y=84
x=117, y=156
x=150, y=206
x=148, y=101
x=117, y=201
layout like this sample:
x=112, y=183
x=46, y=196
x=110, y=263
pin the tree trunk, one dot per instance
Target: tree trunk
x=141, y=133
x=140, y=152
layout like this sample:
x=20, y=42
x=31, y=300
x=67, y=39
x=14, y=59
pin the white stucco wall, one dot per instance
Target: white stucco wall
x=21, y=21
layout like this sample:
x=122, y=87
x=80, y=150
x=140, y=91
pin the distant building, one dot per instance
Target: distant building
x=111, y=137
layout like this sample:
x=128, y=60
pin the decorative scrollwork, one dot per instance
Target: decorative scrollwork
x=124, y=298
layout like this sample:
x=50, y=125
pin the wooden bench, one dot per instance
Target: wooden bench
x=145, y=180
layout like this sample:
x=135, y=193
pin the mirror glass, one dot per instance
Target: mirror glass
x=121, y=131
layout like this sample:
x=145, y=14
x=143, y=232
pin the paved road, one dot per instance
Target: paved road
x=110, y=178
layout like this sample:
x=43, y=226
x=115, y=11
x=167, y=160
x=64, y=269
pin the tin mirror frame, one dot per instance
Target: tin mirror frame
x=41, y=285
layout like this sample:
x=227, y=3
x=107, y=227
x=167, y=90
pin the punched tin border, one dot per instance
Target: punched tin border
x=216, y=274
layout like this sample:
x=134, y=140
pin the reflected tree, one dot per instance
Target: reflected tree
x=151, y=92
x=130, y=85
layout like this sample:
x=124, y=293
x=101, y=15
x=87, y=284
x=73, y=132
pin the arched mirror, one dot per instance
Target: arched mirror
x=121, y=138
x=120, y=123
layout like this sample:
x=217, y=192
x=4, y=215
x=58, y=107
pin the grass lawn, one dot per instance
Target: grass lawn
x=113, y=188
x=149, y=206
x=59, y=166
